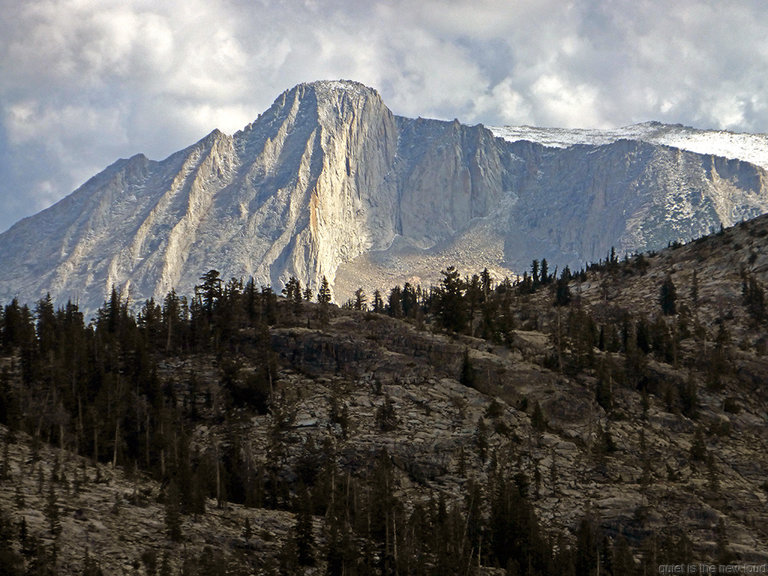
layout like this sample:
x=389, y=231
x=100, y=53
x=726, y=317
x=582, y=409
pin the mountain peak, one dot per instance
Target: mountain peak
x=320, y=98
x=329, y=183
x=348, y=86
x=333, y=92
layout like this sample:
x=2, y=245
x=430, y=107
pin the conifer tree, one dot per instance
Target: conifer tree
x=535, y=274
x=604, y=389
x=165, y=566
x=210, y=290
x=586, y=547
x=51, y=510
x=698, y=450
x=289, y=555
x=247, y=530
x=395, y=302
x=689, y=398
x=451, y=306
x=305, y=539
x=713, y=481
x=668, y=297
x=11, y=563
x=753, y=297
x=360, y=299
x=149, y=559
x=324, y=293
x=324, y=299
x=172, y=318
x=485, y=283
x=481, y=439
x=173, y=512
x=723, y=554
x=378, y=303
x=544, y=271
x=694, y=295
x=562, y=289
x=91, y=566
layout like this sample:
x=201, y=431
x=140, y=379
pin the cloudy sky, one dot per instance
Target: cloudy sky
x=84, y=82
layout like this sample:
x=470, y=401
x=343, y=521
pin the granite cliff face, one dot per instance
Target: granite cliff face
x=328, y=182
x=575, y=204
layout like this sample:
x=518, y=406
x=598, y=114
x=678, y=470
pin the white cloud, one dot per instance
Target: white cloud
x=83, y=82
x=563, y=103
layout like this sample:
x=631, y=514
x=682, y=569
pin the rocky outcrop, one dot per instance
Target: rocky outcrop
x=328, y=182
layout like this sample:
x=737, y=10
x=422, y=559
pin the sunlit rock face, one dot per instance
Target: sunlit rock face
x=328, y=182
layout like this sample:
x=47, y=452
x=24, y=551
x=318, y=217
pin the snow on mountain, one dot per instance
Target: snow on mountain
x=328, y=182
x=751, y=148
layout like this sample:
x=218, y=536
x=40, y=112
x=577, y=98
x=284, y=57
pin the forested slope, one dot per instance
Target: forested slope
x=612, y=415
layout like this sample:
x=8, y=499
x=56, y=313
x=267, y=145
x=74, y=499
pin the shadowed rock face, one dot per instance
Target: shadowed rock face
x=328, y=182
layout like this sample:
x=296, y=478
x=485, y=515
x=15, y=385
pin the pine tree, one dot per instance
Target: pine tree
x=668, y=297
x=305, y=539
x=535, y=274
x=324, y=293
x=604, y=388
x=5, y=465
x=149, y=559
x=293, y=293
x=324, y=299
x=562, y=289
x=289, y=555
x=173, y=512
x=622, y=560
x=360, y=300
x=395, y=302
x=698, y=447
x=586, y=548
x=485, y=284
x=378, y=302
x=18, y=497
x=51, y=511
x=713, y=481
x=11, y=563
x=694, y=295
x=451, y=306
x=210, y=290
x=753, y=297
x=91, y=566
x=723, y=554
x=386, y=417
x=165, y=566
x=689, y=397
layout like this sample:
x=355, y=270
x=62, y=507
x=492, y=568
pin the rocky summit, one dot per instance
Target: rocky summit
x=330, y=183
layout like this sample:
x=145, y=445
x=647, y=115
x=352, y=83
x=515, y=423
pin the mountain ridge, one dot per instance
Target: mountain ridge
x=745, y=146
x=328, y=182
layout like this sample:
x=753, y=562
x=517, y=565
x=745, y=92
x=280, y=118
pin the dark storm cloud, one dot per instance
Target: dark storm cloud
x=83, y=82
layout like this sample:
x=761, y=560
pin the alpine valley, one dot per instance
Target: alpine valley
x=328, y=182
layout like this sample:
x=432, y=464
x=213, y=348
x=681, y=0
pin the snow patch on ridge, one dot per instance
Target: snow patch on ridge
x=751, y=148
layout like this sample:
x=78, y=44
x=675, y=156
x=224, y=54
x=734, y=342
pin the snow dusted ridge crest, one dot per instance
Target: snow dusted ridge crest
x=328, y=182
x=748, y=147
